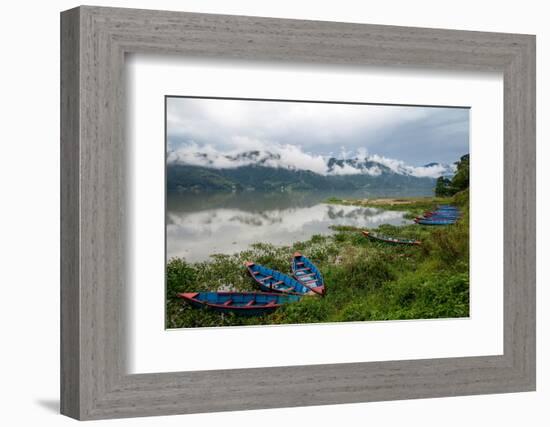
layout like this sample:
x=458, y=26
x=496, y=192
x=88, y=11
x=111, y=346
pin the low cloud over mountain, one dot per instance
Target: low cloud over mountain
x=293, y=158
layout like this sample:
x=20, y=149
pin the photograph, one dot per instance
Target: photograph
x=282, y=212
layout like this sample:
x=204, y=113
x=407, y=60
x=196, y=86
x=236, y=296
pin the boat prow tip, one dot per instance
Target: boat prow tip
x=187, y=295
x=297, y=254
x=248, y=263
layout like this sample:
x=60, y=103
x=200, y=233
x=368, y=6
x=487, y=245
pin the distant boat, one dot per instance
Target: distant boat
x=274, y=281
x=439, y=218
x=388, y=239
x=240, y=303
x=307, y=273
x=442, y=214
x=424, y=221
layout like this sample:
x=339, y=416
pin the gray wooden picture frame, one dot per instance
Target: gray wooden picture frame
x=94, y=381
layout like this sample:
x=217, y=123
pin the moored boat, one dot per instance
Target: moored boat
x=389, y=239
x=240, y=303
x=443, y=214
x=271, y=280
x=307, y=273
x=439, y=218
x=424, y=221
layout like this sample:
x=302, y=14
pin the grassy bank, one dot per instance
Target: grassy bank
x=365, y=280
x=414, y=206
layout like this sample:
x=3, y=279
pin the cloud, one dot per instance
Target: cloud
x=196, y=235
x=398, y=166
x=247, y=152
x=308, y=132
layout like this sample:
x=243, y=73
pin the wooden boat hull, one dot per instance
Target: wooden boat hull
x=305, y=272
x=444, y=215
x=390, y=240
x=433, y=222
x=270, y=280
x=240, y=303
x=439, y=218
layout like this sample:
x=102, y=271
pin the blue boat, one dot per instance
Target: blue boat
x=240, y=303
x=427, y=221
x=307, y=273
x=442, y=213
x=439, y=218
x=274, y=281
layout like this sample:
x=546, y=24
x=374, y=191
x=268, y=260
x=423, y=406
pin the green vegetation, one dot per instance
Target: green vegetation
x=414, y=206
x=198, y=179
x=445, y=187
x=365, y=280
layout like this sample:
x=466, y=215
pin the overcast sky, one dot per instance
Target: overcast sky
x=412, y=135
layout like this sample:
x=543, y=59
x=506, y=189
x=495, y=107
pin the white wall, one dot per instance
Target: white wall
x=29, y=189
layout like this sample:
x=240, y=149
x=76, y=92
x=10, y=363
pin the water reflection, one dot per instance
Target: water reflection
x=199, y=226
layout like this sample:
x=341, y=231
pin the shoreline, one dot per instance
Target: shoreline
x=365, y=280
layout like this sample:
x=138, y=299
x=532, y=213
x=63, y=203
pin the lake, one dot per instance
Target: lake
x=199, y=225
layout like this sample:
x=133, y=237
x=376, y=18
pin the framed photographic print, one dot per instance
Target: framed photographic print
x=262, y=213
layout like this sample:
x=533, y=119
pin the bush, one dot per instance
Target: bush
x=308, y=310
x=426, y=296
x=180, y=277
x=362, y=272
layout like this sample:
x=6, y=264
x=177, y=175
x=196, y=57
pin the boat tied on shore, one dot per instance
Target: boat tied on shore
x=388, y=239
x=270, y=280
x=307, y=273
x=240, y=303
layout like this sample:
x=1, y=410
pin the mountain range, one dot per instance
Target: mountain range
x=261, y=171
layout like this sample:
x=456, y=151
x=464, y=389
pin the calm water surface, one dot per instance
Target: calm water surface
x=198, y=226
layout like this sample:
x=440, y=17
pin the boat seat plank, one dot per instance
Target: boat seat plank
x=228, y=302
x=251, y=302
x=266, y=278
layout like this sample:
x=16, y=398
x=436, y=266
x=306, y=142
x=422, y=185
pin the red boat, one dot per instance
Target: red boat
x=241, y=303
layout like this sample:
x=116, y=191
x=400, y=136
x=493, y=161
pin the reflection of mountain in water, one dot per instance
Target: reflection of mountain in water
x=255, y=201
x=197, y=234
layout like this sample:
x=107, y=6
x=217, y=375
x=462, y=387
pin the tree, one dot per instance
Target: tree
x=461, y=179
x=443, y=187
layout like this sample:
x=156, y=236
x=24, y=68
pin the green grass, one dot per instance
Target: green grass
x=366, y=280
x=414, y=206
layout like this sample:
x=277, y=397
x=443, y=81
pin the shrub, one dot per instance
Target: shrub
x=362, y=272
x=180, y=277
